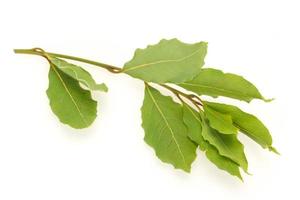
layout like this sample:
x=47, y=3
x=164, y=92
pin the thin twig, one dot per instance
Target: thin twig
x=190, y=97
x=40, y=52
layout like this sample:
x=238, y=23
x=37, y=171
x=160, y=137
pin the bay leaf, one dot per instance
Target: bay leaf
x=168, y=61
x=227, y=145
x=215, y=83
x=246, y=123
x=78, y=73
x=72, y=104
x=165, y=131
x=219, y=121
x=193, y=121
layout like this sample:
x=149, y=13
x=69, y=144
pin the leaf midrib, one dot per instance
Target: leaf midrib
x=70, y=95
x=236, y=94
x=169, y=127
x=160, y=61
x=247, y=132
x=191, y=111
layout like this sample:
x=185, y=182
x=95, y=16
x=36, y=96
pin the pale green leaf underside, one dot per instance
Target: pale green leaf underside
x=79, y=74
x=165, y=130
x=193, y=122
x=168, y=61
x=71, y=104
x=215, y=83
x=220, y=122
x=227, y=145
x=246, y=123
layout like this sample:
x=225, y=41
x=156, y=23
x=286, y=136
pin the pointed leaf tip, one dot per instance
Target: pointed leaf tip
x=246, y=123
x=213, y=82
x=268, y=100
x=101, y=87
x=274, y=150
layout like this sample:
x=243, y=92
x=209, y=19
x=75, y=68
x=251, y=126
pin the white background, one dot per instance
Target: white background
x=42, y=159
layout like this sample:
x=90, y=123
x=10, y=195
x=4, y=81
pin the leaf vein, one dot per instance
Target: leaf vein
x=161, y=61
x=70, y=95
x=168, y=125
x=219, y=89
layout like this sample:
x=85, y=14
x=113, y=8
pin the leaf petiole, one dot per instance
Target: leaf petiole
x=178, y=93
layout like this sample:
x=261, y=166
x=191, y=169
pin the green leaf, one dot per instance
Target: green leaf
x=215, y=83
x=78, y=73
x=220, y=122
x=72, y=104
x=227, y=145
x=165, y=130
x=193, y=121
x=246, y=123
x=168, y=61
x=223, y=162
